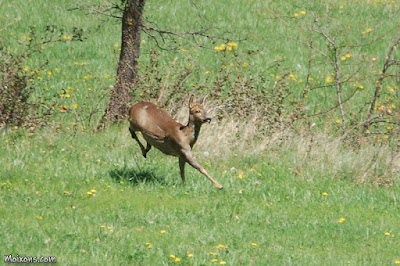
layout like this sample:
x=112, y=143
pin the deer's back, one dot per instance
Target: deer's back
x=156, y=125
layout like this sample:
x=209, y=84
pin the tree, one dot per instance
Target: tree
x=132, y=25
x=121, y=95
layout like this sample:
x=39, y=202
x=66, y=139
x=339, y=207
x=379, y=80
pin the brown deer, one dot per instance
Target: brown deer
x=160, y=130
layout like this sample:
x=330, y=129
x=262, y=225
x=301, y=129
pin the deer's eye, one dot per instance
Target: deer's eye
x=198, y=111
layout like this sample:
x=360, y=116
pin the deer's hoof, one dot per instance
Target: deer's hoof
x=218, y=186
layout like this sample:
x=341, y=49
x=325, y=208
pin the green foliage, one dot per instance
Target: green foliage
x=294, y=194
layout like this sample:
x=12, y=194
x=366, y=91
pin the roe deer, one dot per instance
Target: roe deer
x=160, y=130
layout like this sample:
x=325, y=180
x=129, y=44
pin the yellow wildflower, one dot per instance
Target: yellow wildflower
x=254, y=244
x=324, y=193
x=341, y=220
x=222, y=262
x=163, y=231
x=172, y=256
x=190, y=255
x=177, y=259
x=296, y=15
x=303, y=12
x=245, y=64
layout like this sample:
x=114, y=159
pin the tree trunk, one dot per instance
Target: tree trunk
x=121, y=95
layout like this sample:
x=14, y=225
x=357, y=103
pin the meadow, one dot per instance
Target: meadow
x=313, y=191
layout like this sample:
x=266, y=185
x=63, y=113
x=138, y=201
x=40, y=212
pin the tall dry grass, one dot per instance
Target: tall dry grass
x=310, y=154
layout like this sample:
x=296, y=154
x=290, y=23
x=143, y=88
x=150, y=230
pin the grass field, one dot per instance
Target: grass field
x=305, y=198
x=71, y=196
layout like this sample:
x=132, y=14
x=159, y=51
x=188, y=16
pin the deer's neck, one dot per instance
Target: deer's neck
x=193, y=131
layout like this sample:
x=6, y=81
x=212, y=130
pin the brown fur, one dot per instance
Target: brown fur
x=160, y=130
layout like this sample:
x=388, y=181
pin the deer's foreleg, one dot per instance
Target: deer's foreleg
x=187, y=156
x=182, y=168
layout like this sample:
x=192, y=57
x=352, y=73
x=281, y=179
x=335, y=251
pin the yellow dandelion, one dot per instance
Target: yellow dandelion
x=116, y=45
x=214, y=260
x=232, y=44
x=361, y=87
x=93, y=191
x=149, y=245
x=241, y=176
x=172, y=256
x=338, y=121
x=207, y=72
x=222, y=262
x=40, y=217
x=26, y=68
x=254, y=244
x=75, y=106
x=221, y=247
x=303, y=12
x=66, y=192
x=177, y=259
x=216, y=48
x=222, y=47
x=329, y=79
x=296, y=15
x=107, y=76
x=89, y=193
x=190, y=255
x=245, y=64
x=163, y=231
x=103, y=226
x=343, y=58
x=387, y=234
x=341, y=220
x=76, y=63
x=324, y=193
x=348, y=55
x=57, y=69
x=397, y=262
x=67, y=95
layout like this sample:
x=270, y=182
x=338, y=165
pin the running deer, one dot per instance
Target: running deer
x=160, y=130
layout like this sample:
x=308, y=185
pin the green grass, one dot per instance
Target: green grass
x=46, y=210
x=293, y=192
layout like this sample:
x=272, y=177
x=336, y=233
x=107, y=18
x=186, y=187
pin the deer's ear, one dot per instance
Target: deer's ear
x=202, y=100
x=191, y=101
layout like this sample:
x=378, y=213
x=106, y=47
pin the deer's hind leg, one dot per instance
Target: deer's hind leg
x=148, y=147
